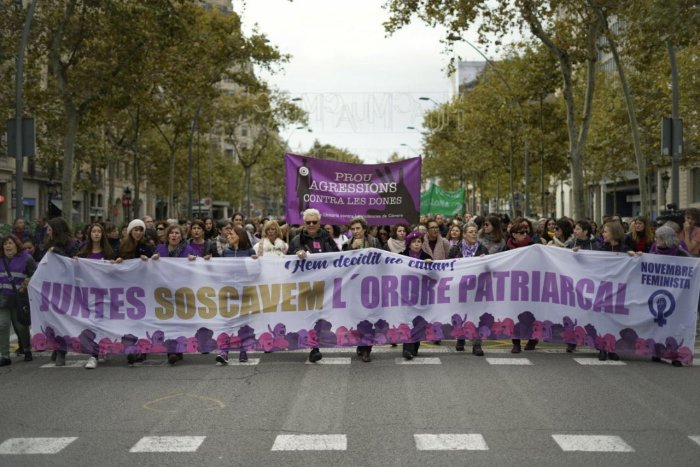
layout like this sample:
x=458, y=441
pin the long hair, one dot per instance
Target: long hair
x=60, y=233
x=107, y=251
x=647, y=234
x=497, y=233
x=243, y=241
x=127, y=249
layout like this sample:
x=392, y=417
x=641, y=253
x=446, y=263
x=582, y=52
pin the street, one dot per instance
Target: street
x=545, y=407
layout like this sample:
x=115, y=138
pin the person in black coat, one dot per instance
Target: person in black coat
x=312, y=239
x=414, y=249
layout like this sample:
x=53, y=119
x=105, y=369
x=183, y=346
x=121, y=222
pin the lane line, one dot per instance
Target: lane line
x=310, y=443
x=695, y=438
x=35, y=445
x=508, y=361
x=418, y=361
x=450, y=442
x=331, y=361
x=168, y=444
x=596, y=362
x=592, y=443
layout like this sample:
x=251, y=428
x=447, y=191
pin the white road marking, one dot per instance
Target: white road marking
x=331, y=361
x=508, y=361
x=595, y=361
x=418, y=361
x=592, y=443
x=310, y=443
x=250, y=362
x=450, y=442
x=69, y=364
x=695, y=438
x=34, y=445
x=168, y=444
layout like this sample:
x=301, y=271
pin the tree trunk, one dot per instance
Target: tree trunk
x=577, y=134
x=72, y=118
x=645, y=206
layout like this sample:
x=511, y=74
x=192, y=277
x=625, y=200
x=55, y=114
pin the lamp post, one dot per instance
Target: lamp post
x=665, y=179
x=428, y=99
x=126, y=203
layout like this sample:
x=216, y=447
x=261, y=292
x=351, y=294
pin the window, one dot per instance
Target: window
x=244, y=131
x=695, y=184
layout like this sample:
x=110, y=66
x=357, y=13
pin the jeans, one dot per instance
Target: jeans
x=9, y=317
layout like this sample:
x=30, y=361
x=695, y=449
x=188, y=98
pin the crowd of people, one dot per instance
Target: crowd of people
x=433, y=238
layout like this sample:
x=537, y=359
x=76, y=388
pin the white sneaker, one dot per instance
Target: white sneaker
x=91, y=363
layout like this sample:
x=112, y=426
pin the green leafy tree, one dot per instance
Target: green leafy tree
x=567, y=28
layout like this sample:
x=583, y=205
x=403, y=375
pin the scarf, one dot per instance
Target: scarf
x=673, y=251
x=565, y=244
x=396, y=246
x=469, y=250
x=175, y=252
x=221, y=245
x=527, y=240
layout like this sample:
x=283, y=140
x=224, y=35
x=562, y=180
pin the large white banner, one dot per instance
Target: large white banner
x=644, y=305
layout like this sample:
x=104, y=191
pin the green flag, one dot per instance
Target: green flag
x=438, y=201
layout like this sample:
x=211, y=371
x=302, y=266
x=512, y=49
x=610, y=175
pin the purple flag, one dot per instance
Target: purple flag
x=384, y=194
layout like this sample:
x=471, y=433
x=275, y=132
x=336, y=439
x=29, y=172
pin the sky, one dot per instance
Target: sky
x=360, y=88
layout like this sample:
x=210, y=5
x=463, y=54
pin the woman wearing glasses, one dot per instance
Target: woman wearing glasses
x=469, y=247
x=312, y=239
x=491, y=235
x=563, y=234
x=435, y=244
x=520, y=238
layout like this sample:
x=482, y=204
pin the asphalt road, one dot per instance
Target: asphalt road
x=532, y=409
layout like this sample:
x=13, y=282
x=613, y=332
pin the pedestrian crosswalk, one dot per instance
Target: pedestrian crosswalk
x=492, y=358
x=328, y=442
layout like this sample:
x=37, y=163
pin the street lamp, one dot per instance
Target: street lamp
x=126, y=203
x=428, y=99
x=665, y=179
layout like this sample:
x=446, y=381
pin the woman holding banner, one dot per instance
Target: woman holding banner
x=414, y=249
x=135, y=244
x=60, y=241
x=175, y=245
x=18, y=267
x=360, y=240
x=312, y=239
x=454, y=235
x=96, y=246
x=668, y=244
x=271, y=243
x=469, y=247
x=520, y=238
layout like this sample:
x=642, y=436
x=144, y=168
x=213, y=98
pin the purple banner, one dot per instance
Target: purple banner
x=384, y=194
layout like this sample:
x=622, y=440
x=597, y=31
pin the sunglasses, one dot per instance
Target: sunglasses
x=311, y=222
x=160, y=228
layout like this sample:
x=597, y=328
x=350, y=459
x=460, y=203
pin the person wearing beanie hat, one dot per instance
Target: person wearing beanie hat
x=135, y=223
x=414, y=249
x=361, y=239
